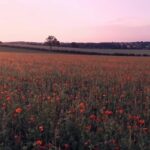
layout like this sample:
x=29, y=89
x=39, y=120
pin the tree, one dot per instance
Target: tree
x=74, y=45
x=52, y=41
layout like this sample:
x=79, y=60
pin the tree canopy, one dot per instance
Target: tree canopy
x=52, y=41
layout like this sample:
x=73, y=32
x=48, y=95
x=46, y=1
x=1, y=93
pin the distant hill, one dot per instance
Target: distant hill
x=105, y=49
x=103, y=45
x=110, y=45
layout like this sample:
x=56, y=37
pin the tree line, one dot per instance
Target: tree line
x=53, y=41
x=109, y=45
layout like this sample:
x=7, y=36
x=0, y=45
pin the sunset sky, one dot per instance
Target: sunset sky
x=75, y=20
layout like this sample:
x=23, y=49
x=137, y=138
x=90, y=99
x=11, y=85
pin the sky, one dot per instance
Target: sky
x=75, y=20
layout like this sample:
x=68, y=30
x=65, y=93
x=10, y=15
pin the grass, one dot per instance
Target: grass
x=74, y=102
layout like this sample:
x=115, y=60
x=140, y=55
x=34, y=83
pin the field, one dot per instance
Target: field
x=35, y=48
x=74, y=102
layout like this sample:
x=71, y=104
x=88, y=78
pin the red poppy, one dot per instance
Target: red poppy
x=136, y=118
x=141, y=122
x=121, y=111
x=82, y=107
x=39, y=142
x=93, y=117
x=108, y=112
x=8, y=98
x=41, y=128
x=18, y=110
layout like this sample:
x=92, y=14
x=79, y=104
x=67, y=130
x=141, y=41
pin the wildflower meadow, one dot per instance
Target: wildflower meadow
x=74, y=102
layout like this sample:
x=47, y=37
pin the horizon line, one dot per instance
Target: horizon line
x=78, y=41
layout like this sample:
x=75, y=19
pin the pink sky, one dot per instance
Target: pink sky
x=75, y=20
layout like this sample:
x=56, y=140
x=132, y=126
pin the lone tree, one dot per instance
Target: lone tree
x=52, y=41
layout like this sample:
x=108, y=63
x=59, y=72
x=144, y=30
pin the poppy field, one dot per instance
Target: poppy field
x=74, y=102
